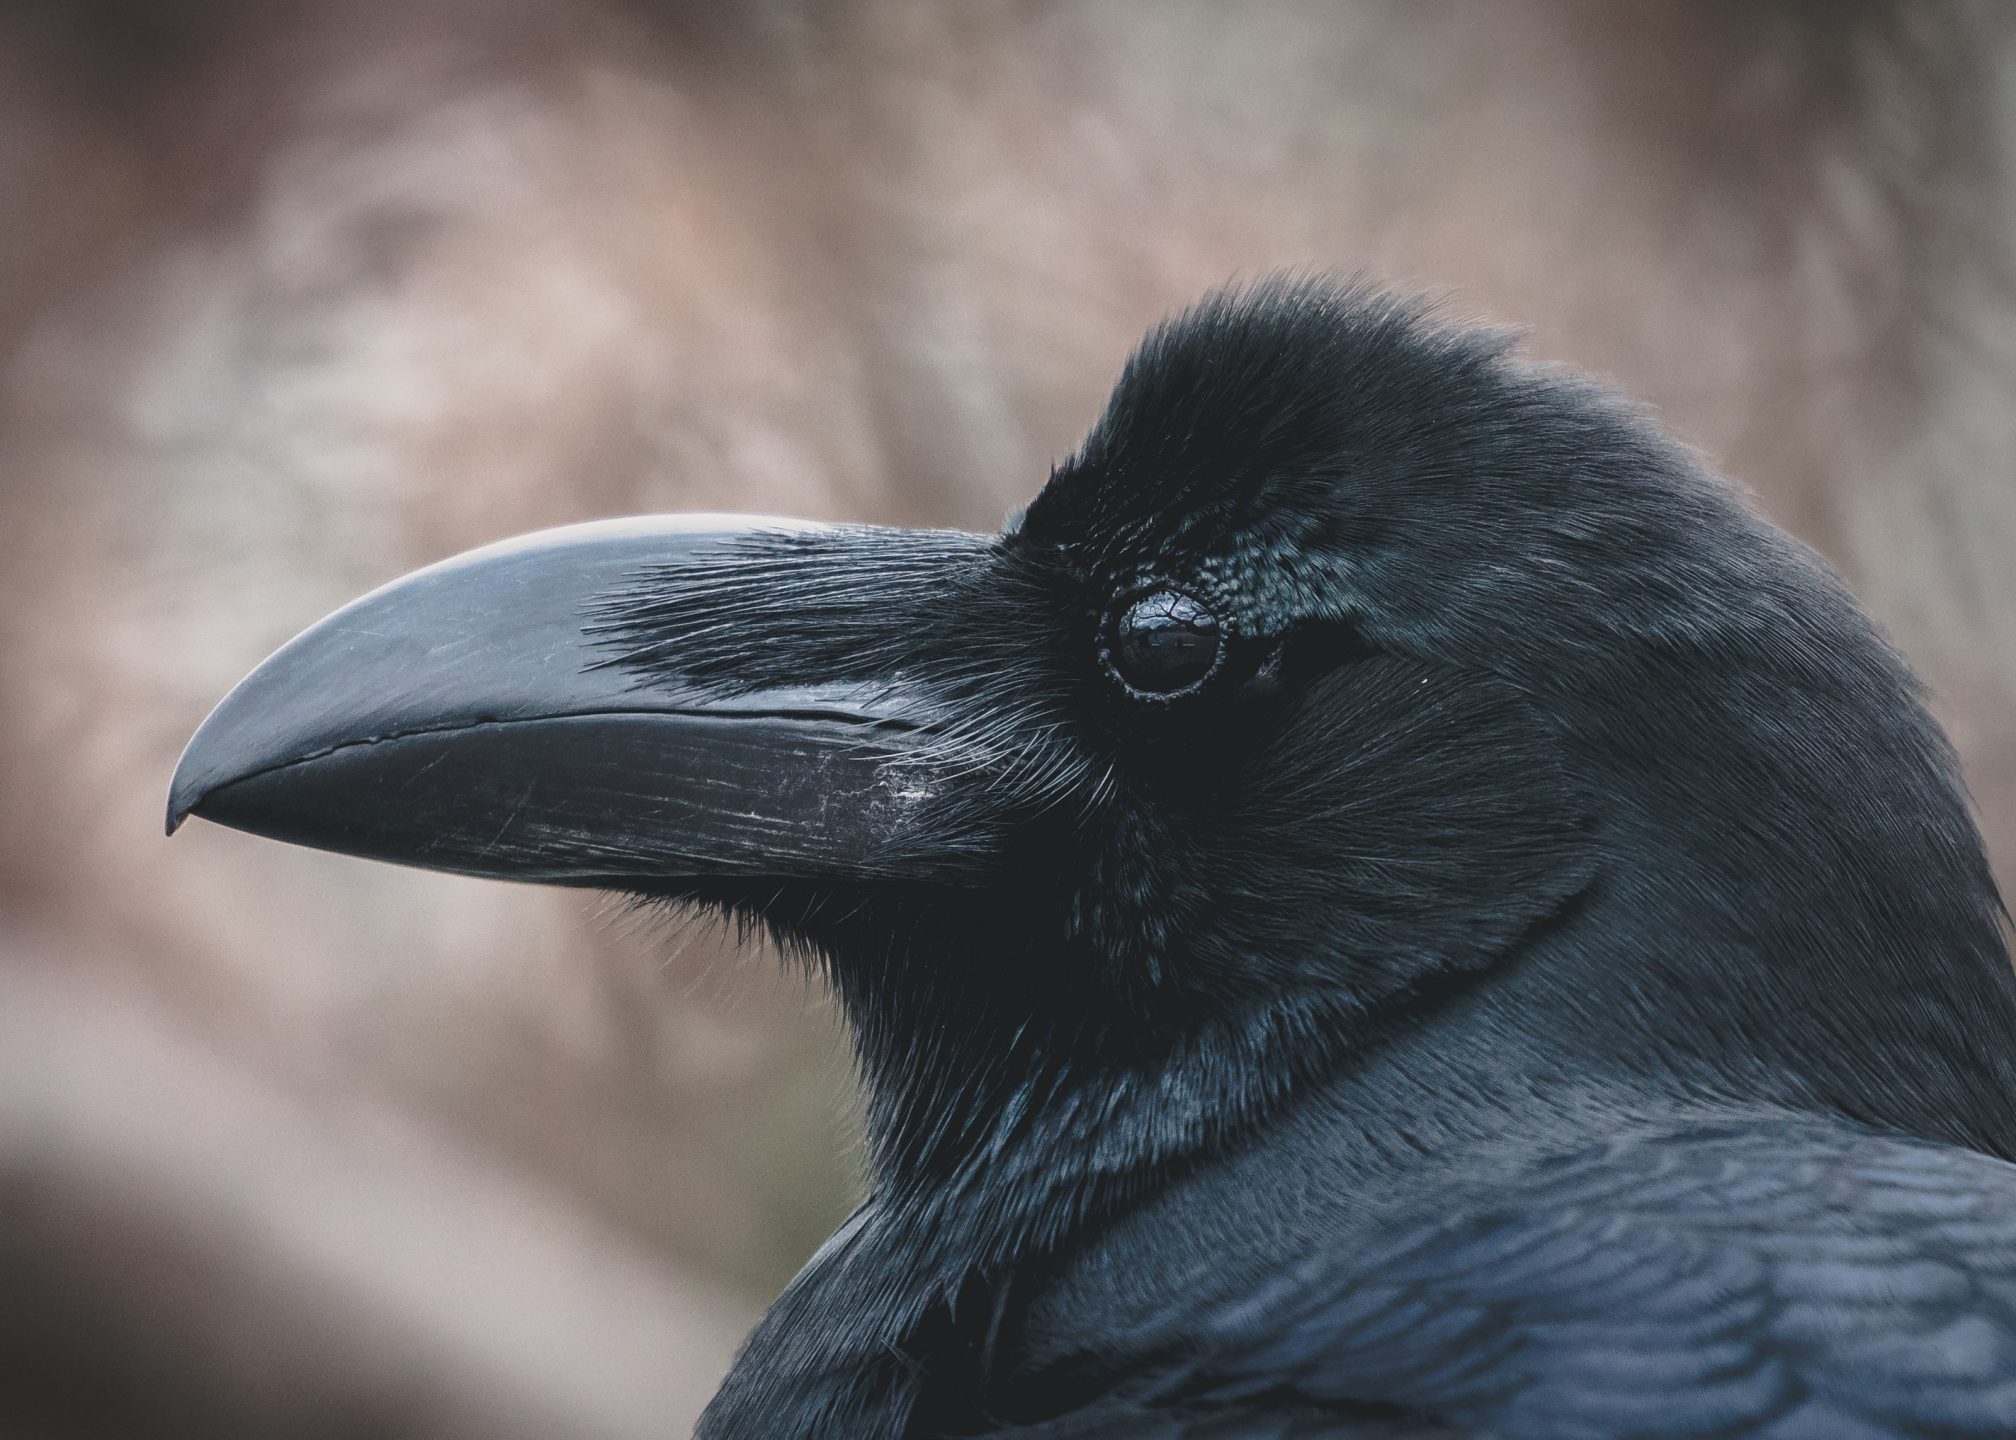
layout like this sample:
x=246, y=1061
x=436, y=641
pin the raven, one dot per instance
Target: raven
x=1387, y=902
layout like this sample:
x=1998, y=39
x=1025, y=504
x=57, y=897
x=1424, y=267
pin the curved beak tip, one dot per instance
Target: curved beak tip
x=187, y=790
x=180, y=804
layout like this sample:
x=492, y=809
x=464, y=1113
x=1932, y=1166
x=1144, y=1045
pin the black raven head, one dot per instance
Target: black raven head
x=1352, y=673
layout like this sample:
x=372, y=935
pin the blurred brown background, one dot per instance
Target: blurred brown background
x=298, y=294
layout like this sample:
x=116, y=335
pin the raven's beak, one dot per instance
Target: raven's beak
x=475, y=717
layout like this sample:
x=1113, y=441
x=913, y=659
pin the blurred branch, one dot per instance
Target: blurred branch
x=297, y=1263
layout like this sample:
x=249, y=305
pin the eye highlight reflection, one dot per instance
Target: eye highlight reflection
x=1165, y=644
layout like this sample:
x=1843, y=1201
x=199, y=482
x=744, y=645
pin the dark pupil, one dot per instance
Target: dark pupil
x=1165, y=641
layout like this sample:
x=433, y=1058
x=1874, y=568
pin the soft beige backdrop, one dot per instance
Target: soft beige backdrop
x=298, y=294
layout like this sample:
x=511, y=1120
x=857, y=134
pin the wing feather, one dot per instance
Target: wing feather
x=1776, y=1280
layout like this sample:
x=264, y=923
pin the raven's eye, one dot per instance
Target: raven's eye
x=1164, y=644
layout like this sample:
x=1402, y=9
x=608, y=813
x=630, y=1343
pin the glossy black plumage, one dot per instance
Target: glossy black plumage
x=1542, y=980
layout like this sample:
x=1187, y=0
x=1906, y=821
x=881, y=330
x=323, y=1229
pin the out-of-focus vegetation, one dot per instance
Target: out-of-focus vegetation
x=298, y=294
